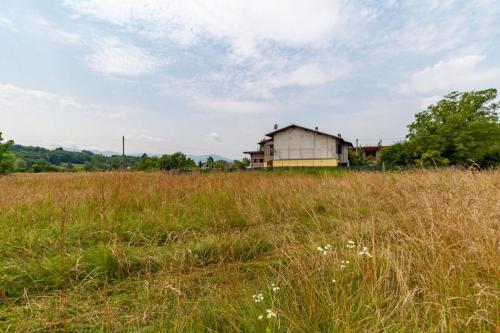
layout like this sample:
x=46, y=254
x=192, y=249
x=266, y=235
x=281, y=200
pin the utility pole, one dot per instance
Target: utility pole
x=123, y=151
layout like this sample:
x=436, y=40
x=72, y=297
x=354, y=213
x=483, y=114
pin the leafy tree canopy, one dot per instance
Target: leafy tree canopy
x=176, y=161
x=462, y=128
x=242, y=164
x=7, y=158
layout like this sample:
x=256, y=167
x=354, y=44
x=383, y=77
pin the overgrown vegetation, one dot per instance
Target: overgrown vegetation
x=7, y=158
x=282, y=252
x=461, y=129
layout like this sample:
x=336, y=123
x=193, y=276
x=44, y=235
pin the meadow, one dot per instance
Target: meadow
x=250, y=252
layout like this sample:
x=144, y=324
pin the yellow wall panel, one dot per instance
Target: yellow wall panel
x=331, y=162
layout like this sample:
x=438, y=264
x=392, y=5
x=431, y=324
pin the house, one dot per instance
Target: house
x=370, y=153
x=297, y=146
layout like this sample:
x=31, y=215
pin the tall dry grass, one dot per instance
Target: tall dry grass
x=187, y=253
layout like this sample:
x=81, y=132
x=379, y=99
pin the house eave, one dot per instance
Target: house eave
x=271, y=134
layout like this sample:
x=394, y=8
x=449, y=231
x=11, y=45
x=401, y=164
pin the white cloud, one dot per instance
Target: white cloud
x=270, y=45
x=13, y=96
x=256, y=37
x=234, y=106
x=242, y=24
x=214, y=137
x=31, y=100
x=48, y=119
x=452, y=74
x=48, y=29
x=113, y=57
x=249, y=27
x=307, y=75
x=113, y=111
x=7, y=23
x=146, y=137
x=68, y=144
x=427, y=101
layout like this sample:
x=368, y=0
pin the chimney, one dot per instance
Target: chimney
x=340, y=136
x=316, y=128
x=275, y=127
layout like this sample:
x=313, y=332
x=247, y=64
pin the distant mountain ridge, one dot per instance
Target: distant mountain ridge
x=39, y=159
x=196, y=158
x=109, y=153
x=203, y=158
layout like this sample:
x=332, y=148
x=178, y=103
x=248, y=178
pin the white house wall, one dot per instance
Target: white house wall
x=297, y=143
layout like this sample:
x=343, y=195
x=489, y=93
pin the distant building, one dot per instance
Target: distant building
x=297, y=146
x=370, y=153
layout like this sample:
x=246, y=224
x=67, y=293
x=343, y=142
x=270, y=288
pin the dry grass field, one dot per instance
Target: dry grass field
x=250, y=252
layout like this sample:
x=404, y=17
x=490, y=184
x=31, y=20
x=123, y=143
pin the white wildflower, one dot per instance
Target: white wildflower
x=270, y=314
x=334, y=281
x=365, y=252
x=257, y=298
x=344, y=263
x=274, y=288
x=261, y=317
x=324, y=250
x=351, y=244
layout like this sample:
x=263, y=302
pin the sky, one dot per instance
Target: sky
x=214, y=76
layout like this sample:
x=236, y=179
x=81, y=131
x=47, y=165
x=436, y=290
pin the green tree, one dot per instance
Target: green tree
x=399, y=153
x=20, y=165
x=210, y=162
x=146, y=163
x=220, y=164
x=176, y=161
x=356, y=158
x=462, y=128
x=459, y=128
x=87, y=166
x=243, y=164
x=7, y=158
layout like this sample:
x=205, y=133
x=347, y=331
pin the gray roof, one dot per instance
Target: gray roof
x=307, y=129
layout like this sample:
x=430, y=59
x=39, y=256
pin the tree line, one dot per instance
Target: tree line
x=19, y=158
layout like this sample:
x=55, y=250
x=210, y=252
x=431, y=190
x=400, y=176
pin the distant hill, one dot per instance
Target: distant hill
x=203, y=158
x=195, y=158
x=40, y=159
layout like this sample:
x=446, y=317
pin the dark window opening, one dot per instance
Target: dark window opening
x=261, y=160
x=339, y=148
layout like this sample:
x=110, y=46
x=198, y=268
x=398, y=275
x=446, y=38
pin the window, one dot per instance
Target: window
x=261, y=160
x=271, y=150
x=339, y=148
